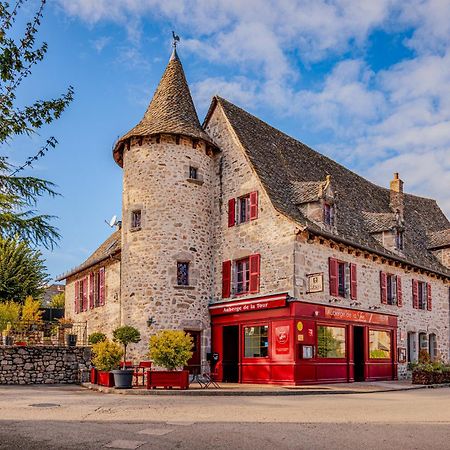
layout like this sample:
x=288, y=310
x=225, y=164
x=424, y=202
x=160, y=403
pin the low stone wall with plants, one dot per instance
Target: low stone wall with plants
x=42, y=365
x=428, y=371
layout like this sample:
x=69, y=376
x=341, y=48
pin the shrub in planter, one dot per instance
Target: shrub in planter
x=107, y=356
x=125, y=335
x=170, y=349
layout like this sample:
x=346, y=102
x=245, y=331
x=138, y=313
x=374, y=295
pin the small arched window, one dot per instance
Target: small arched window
x=432, y=346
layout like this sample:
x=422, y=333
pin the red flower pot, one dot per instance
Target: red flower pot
x=94, y=375
x=168, y=379
x=105, y=379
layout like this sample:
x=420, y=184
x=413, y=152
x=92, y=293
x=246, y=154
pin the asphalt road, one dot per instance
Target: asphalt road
x=52, y=417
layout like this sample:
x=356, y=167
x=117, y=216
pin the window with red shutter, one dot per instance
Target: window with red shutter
x=102, y=286
x=254, y=261
x=77, y=297
x=383, y=287
x=253, y=205
x=415, y=294
x=353, y=282
x=231, y=212
x=85, y=293
x=429, y=301
x=226, y=279
x=399, y=291
x=333, y=269
x=91, y=290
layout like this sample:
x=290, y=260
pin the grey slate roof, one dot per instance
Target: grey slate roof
x=110, y=247
x=282, y=162
x=378, y=222
x=171, y=110
x=306, y=191
x=439, y=239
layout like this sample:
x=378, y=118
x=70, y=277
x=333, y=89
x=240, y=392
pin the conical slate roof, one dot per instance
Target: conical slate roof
x=171, y=110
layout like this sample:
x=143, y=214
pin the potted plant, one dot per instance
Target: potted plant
x=107, y=356
x=125, y=335
x=95, y=338
x=170, y=349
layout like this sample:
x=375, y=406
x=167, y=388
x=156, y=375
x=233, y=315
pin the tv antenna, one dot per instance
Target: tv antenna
x=113, y=222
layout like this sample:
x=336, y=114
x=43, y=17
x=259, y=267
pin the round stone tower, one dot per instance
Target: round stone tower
x=166, y=266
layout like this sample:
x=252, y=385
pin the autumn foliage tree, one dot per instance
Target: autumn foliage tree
x=19, y=194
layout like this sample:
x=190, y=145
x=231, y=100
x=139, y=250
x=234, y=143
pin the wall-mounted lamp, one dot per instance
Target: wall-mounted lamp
x=151, y=321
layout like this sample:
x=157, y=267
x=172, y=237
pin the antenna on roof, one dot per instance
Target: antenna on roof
x=176, y=39
x=113, y=222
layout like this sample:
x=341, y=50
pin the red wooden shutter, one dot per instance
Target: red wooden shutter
x=232, y=212
x=383, y=287
x=102, y=286
x=429, y=302
x=253, y=205
x=333, y=268
x=91, y=290
x=399, y=291
x=254, y=263
x=415, y=294
x=85, y=293
x=77, y=297
x=353, y=282
x=226, y=279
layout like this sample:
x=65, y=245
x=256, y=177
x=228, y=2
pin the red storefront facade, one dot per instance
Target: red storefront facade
x=275, y=340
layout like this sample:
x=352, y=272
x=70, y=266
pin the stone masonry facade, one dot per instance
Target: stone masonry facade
x=43, y=365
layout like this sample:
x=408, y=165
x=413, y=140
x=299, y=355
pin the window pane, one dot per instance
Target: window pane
x=242, y=276
x=341, y=279
x=256, y=341
x=136, y=219
x=330, y=342
x=183, y=274
x=193, y=173
x=379, y=344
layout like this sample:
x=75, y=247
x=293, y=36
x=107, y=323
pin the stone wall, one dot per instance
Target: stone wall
x=42, y=365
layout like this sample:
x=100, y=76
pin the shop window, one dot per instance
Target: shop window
x=331, y=342
x=343, y=281
x=328, y=214
x=256, y=341
x=432, y=346
x=379, y=344
x=136, y=217
x=182, y=273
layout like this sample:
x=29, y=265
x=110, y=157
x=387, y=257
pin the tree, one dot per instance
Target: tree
x=126, y=335
x=18, y=195
x=107, y=355
x=31, y=310
x=58, y=300
x=9, y=312
x=22, y=271
x=171, y=349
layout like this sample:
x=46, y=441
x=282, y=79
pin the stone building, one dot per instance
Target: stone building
x=285, y=266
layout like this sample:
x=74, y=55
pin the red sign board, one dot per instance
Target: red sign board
x=251, y=305
x=356, y=316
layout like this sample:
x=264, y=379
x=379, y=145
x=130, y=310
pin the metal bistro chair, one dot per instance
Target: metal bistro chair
x=140, y=371
x=127, y=365
x=209, y=378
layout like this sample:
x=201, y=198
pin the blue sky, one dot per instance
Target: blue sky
x=367, y=83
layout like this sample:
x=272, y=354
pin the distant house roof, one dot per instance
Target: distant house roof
x=171, y=110
x=283, y=164
x=111, y=246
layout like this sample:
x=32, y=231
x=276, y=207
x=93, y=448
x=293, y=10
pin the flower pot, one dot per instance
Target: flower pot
x=71, y=340
x=168, y=379
x=123, y=378
x=105, y=379
x=94, y=375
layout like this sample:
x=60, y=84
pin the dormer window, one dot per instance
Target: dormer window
x=328, y=214
x=399, y=239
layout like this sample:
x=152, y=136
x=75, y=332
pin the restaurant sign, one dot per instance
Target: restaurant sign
x=252, y=305
x=356, y=316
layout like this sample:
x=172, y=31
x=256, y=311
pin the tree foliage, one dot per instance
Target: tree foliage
x=126, y=335
x=22, y=271
x=31, y=310
x=96, y=337
x=9, y=312
x=107, y=355
x=58, y=300
x=171, y=349
x=18, y=195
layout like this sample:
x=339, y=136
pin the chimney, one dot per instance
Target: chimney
x=396, y=201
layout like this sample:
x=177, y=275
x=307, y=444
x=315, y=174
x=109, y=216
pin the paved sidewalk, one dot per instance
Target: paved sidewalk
x=236, y=389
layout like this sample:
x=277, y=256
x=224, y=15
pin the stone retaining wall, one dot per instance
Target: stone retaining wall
x=42, y=365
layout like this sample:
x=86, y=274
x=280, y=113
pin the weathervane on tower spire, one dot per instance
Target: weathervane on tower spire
x=176, y=39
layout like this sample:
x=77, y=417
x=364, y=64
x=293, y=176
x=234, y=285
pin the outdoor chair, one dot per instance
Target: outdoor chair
x=140, y=371
x=127, y=365
x=209, y=378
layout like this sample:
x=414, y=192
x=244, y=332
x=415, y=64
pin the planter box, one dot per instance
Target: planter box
x=168, y=379
x=94, y=375
x=105, y=379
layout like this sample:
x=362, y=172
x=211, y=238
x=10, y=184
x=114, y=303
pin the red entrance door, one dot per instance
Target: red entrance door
x=194, y=364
